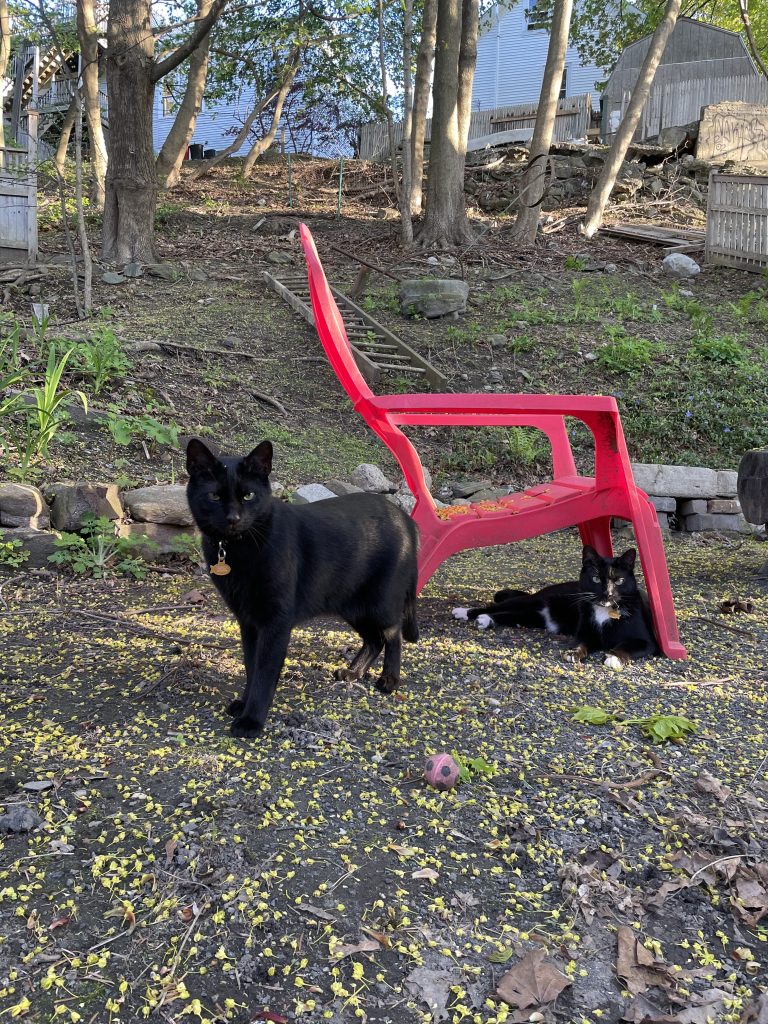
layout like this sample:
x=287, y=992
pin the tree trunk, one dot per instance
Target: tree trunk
x=60, y=158
x=131, y=184
x=744, y=14
x=263, y=144
x=602, y=190
x=385, y=103
x=406, y=224
x=5, y=40
x=445, y=221
x=172, y=154
x=88, y=36
x=421, y=101
x=532, y=188
x=470, y=17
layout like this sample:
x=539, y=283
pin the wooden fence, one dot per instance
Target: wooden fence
x=737, y=221
x=572, y=121
x=18, y=195
x=677, y=103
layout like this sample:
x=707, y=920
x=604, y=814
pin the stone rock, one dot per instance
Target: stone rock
x=341, y=487
x=277, y=489
x=155, y=539
x=279, y=258
x=146, y=346
x=741, y=140
x=370, y=478
x=159, y=504
x=433, y=297
x=680, y=266
x=498, y=340
x=466, y=488
x=308, y=493
x=663, y=519
x=723, y=506
x=41, y=522
x=197, y=274
x=727, y=482
x=676, y=481
x=610, y=268
x=693, y=507
x=38, y=544
x=162, y=270
x=21, y=500
x=662, y=504
x=671, y=137
x=112, y=277
x=74, y=501
x=725, y=524
x=133, y=270
x=404, y=500
x=19, y=819
x=490, y=494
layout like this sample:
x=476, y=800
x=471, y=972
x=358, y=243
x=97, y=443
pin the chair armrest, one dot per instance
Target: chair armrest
x=493, y=404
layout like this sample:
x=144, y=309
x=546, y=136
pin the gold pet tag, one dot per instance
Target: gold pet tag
x=221, y=568
x=613, y=613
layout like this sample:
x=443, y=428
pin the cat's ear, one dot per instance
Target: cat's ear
x=260, y=459
x=628, y=559
x=200, y=459
x=589, y=555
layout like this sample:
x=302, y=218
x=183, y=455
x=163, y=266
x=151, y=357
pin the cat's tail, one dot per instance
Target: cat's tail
x=503, y=595
x=410, y=625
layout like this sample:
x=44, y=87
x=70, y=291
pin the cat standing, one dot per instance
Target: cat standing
x=604, y=610
x=277, y=565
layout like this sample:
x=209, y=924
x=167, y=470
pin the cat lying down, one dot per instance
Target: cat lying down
x=604, y=610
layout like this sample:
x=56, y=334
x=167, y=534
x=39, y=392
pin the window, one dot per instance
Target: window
x=169, y=104
x=564, y=85
x=537, y=13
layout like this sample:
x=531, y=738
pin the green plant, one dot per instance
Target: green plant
x=627, y=306
x=592, y=716
x=624, y=353
x=126, y=429
x=100, y=358
x=473, y=766
x=525, y=445
x=42, y=416
x=662, y=728
x=584, y=306
x=99, y=551
x=724, y=348
x=12, y=372
x=12, y=552
x=165, y=211
x=520, y=343
x=188, y=547
x=575, y=263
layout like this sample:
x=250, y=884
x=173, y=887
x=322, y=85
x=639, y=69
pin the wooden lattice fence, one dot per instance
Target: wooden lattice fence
x=737, y=221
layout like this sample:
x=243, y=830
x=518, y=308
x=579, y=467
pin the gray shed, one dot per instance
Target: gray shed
x=701, y=64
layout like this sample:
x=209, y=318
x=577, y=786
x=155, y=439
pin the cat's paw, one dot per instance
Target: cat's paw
x=575, y=654
x=613, y=661
x=461, y=613
x=484, y=621
x=235, y=708
x=386, y=683
x=246, y=726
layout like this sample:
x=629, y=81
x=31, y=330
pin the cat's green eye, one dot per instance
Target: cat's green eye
x=214, y=497
x=249, y=496
x=595, y=579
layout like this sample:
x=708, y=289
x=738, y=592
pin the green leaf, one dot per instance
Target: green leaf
x=592, y=716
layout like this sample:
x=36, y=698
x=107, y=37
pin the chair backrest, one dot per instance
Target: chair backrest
x=330, y=326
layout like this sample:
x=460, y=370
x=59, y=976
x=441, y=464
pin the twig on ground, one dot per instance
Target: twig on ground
x=268, y=400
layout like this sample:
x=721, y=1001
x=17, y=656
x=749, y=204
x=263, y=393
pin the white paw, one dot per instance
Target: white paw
x=484, y=621
x=611, y=661
x=461, y=613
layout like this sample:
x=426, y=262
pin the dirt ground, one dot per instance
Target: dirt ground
x=174, y=872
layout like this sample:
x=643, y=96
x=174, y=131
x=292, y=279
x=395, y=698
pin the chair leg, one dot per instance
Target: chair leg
x=597, y=533
x=654, y=562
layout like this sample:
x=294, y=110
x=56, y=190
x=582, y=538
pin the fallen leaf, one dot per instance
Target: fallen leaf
x=380, y=937
x=757, y=1011
x=402, y=851
x=432, y=988
x=364, y=946
x=640, y=1010
x=426, y=873
x=637, y=966
x=707, y=1006
x=60, y=921
x=194, y=597
x=39, y=786
x=276, y=1018
x=309, y=908
x=707, y=783
x=532, y=982
x=170, y=850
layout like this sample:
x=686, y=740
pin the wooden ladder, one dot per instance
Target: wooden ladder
x=376, y=349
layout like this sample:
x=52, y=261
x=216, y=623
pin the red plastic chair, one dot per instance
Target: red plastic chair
x=569, y=500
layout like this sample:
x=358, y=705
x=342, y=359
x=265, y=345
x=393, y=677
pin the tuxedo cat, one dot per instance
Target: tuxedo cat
x=604, y=611
x=277, y=565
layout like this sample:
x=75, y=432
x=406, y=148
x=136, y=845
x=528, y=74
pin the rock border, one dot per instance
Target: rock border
x=687, y=499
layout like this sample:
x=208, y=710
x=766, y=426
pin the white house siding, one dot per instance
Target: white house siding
x=218, y=123
x=511, y=59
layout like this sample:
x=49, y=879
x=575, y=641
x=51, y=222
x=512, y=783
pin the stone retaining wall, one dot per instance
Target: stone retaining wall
x=686, y=498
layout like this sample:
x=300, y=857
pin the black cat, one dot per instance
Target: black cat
x=604, y=611
x=277, y=565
